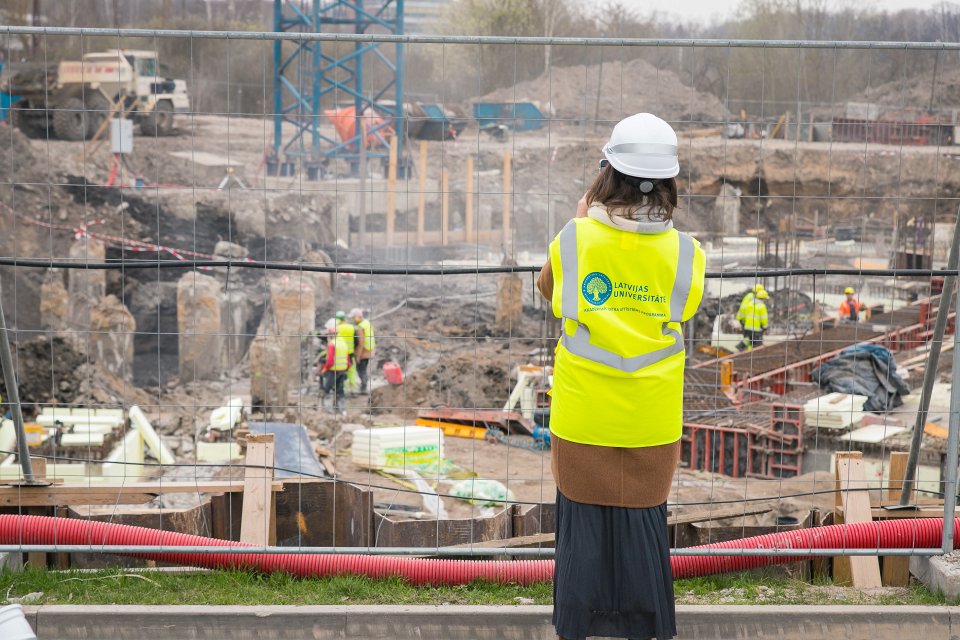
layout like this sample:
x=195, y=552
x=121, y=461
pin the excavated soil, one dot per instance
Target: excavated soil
x=624, y=88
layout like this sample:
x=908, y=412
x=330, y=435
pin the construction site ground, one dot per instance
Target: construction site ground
x=441, y=330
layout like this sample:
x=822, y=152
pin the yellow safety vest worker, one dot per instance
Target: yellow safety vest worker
x=369, y=340
x=341, y=354
x=622, y=294
x=346, y=331
x=752, y=314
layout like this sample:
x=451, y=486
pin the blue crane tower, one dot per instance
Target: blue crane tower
x=311, y=76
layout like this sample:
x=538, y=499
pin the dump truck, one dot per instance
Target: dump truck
x=71, y=99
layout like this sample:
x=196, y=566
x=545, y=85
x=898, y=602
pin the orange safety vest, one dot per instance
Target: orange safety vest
x=851, y=311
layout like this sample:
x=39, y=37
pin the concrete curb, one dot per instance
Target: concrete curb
x=63, y=622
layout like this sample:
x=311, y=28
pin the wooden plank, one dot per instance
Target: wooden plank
x=39, y=466
x=517, y=542
x=706, y=514
x=468, y=213
x=130, y=493
x=896, y=569
x=864, y=571
x=258, y=525
x=422, y=202
x=392, y=190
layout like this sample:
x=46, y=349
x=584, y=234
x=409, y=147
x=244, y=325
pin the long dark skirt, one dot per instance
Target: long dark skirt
x=612, y=576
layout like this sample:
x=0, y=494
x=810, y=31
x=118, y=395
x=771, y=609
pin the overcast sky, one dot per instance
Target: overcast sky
x=705, y=10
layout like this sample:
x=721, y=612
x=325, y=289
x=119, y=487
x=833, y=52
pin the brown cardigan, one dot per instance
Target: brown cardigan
x=612, y=476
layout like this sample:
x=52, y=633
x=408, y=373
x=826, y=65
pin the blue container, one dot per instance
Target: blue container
x=519, y=116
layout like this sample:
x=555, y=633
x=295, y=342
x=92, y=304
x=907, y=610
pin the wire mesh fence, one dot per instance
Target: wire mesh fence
x=170, y=269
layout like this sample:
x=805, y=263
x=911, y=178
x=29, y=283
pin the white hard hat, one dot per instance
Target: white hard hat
x=330, y=325
x=643, y=146
x=356, y=312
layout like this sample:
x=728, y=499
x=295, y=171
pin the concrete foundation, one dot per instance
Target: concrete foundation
x=234, y=315
x=199, y=302
x=322, y=283
x=509, y=302
x=112, y=328
x=85, y=286
x=452, y=622
x=270, y=373
x=54, y=302
x=940, y=573
x=727, y=210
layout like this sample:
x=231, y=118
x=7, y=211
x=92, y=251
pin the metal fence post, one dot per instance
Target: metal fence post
x=953, y=440
x=13, y=393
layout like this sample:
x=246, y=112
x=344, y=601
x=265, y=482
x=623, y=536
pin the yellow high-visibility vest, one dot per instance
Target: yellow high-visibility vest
x=752, y=313
x=369, y=340
x=622, y=294
x=341, y=354
x=346, y=331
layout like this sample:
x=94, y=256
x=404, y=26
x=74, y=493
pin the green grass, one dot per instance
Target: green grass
x=119, y=586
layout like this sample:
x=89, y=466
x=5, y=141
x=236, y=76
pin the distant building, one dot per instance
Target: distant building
x=422, y=16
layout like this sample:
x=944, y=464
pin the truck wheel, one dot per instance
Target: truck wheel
x=69, y=120
x=160, y=121
x=98, y=108
x=26, y=122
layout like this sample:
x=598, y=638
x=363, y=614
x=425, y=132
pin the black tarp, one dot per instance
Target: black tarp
x=865, y=370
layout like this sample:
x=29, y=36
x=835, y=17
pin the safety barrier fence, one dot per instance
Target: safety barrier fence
x=744, y=427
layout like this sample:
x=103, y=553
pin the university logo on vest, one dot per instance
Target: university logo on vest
x=596, y=288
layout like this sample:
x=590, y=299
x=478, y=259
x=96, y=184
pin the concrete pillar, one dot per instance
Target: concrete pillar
x=322, y=283
x=234, y=316
x=294, y=308
x=199, y=302
x=726, y=210
x=509, y=302
x=86, y=286
x=112, y=327
x=269, y=373
x=54, y=302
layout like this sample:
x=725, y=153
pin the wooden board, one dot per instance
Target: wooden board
x=896, y=569
x=128, y=493
x=863, y=572
x=258, y=525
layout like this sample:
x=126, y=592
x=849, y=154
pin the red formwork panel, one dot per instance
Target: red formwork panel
x=718, y=449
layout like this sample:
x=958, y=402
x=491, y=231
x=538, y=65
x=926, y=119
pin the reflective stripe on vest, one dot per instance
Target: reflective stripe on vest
x=341, y=357
x=579, y=343
x=369, y=341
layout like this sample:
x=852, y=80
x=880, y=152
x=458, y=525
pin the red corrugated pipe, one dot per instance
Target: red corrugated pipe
x=920, y=533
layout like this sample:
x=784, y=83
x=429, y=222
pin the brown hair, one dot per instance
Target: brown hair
x=617, y=190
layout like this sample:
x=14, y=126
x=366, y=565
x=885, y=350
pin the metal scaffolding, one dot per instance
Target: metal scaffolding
x=306, y=76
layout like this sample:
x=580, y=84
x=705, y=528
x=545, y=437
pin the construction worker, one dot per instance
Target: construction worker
x=752, y=317
x=366, y=343
x=851, y=308
x=347, y=331
x=334, y=369
x=622, y=280
x=748, y=298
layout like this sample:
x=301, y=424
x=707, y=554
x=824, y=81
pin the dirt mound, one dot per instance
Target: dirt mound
x=912, y=93
x=47, y=370
x=467, y=381
x=625, y=89
x=17, y=160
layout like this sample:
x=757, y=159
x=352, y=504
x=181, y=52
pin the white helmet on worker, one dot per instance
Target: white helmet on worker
x=643, y=146
x=330, y=325
x=356, y=313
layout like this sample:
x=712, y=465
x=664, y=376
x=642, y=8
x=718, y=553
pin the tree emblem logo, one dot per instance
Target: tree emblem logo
x=596, y=288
